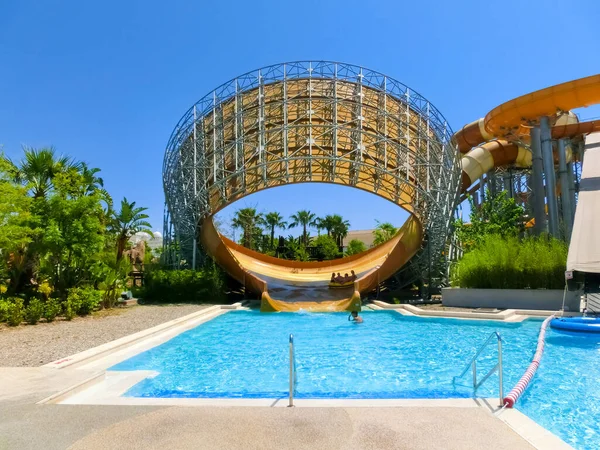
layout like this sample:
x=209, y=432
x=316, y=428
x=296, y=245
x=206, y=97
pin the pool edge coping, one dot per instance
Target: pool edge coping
x=507, y=315
x=537, y=435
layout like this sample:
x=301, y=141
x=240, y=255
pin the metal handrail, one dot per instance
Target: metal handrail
x=473, y=365
x=293, y=376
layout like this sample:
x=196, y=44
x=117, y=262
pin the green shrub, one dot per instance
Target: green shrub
x=34, y=311
x=5, y=306
x=512, y=263
x=82, y=301
x=355, y=246
x=52, y=309
x=90, y=301
x=15, y=311
x=325, y=247
x=72, y=304
x=203, y=285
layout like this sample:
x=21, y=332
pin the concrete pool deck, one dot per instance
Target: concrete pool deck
x=72, y=403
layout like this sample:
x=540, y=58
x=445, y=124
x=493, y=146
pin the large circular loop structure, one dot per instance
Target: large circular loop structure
x=309, y=122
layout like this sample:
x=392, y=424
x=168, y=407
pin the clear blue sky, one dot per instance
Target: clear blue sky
x=107, y=81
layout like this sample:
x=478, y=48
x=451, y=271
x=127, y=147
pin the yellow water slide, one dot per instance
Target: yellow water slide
x=500, y=138
x=294, y=285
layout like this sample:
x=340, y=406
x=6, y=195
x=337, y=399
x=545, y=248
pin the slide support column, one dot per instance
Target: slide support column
x=548, y=159
x=571, y=178
x=565, y=196
x=537, y=181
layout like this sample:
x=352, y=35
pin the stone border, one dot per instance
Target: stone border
x=531, y=431
x=508, y=315
x=512, y=298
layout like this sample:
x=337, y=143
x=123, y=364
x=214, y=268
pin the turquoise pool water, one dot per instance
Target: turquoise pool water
x=564, y=396
x=244, y=354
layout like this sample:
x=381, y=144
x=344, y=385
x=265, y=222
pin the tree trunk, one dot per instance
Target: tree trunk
x=120, y=247
x=272, y=236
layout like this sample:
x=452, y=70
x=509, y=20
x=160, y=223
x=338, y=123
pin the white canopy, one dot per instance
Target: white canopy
x=584, y=250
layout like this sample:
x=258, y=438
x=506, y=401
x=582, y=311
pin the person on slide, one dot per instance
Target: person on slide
x=354, y=317
x=332, y=278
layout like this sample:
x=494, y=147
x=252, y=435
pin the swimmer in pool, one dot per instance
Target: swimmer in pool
x=354, y=317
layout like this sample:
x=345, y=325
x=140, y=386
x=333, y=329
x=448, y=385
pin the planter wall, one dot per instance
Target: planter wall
x=545, y=299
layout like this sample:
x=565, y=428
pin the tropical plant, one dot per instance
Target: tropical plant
x=58, y=232
x=325, y=247
x=34, y=311
x=326, y=223
x=16, y=311
x=128, y=221
x=274, y=220
x=305, y=219
x=203, y=285
x=38, y=169
x=248, y=220
x=74, y=232
x=52, y=308
x=355, y=246
x=383, y=232
x=511, y=263
x=497, y=214
x=5, y=308
x=339, y=229
x=318, y=223
x=15, y=220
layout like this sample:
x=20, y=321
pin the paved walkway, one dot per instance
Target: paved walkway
x=25, y=425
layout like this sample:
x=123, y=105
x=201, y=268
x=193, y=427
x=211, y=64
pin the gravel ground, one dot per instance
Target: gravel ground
x=35, y=345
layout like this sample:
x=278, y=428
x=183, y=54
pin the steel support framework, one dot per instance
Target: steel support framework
x=309, y=121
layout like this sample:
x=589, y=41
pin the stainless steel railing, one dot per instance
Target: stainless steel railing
x=498, y=367
x=293, y=376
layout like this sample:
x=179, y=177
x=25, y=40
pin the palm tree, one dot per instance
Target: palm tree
x=248, y=220
x=305, y=219
x=93, y=184
x=327, y=223
x=127, y=222
x=39, y=167
x=339, y=228
x=36, y=171
x=319, y=225
x=383, y=232
x=274, y=220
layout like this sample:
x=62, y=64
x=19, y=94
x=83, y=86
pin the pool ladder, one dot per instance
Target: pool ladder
x=293, y=375
x=473, y=365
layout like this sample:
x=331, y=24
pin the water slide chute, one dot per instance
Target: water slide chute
x=499, y=139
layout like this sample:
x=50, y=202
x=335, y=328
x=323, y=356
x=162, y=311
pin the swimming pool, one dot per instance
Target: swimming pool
x=244, y=354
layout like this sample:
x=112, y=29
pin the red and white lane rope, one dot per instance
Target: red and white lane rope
x=520, y=387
